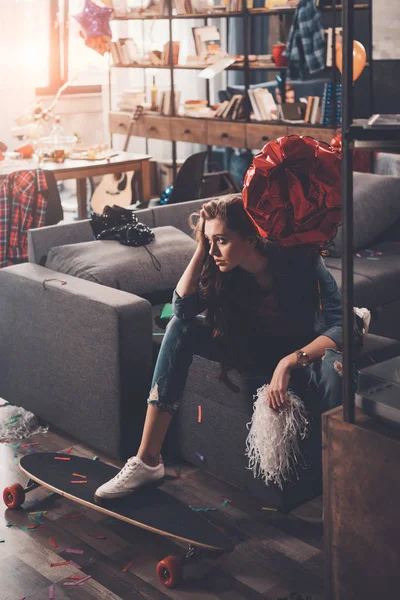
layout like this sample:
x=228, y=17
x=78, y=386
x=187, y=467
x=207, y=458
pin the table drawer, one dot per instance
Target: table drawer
x=226, y=134
x=323, y=134
x=257, y=135
x=189, y=130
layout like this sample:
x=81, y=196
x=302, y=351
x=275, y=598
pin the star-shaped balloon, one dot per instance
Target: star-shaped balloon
x=94, y=20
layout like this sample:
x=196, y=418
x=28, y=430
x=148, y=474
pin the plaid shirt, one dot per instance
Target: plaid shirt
x=305, y=48
x=23, y=202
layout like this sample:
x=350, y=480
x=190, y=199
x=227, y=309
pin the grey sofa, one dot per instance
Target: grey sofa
x=80, y=354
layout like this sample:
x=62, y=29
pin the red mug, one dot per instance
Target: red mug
x=277, y=55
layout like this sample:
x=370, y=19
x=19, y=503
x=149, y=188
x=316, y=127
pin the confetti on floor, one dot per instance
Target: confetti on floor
x=266, y=508
x=73, y=564
x=60, y=564
x=73, y=551
x=80, y=481
x=53, y=543
x=79, y=475
x=78, y=582
x=51, y=592
x=201, y=509
x=62, y=458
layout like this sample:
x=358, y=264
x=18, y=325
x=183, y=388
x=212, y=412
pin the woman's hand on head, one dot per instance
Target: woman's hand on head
x=277, y=391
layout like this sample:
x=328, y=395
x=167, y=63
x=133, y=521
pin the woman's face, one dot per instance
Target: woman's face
x=227, y=247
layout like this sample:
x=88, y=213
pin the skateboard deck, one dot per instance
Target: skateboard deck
x=149, y=507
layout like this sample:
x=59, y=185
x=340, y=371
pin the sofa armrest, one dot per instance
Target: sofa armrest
x=77, y=354
x=42, y=239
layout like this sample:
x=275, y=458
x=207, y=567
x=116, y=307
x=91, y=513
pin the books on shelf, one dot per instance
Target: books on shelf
x=328, y=33
x=280, y=4
x=207, y=41
x=166, y=102
x=326, y=116
x=231, y=109
x=124, y=51
x=168, y=49
x=263, y=105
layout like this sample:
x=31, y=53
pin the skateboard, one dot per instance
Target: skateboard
x=149, y=507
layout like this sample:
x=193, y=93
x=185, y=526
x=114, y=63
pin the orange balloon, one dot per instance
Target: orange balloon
x=359, y=58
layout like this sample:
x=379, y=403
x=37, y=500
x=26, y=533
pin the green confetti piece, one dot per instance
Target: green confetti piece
x=372, y=258
x=95, y=458
x=224, y=504
x=166, y=312
x=8, y=524
x=16, y=446
x=2, y=541
x=179, y=469
x=52, y=494
x=201, y=509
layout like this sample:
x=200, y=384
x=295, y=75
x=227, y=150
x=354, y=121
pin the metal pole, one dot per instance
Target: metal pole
x=370, y=59
x=347, y=195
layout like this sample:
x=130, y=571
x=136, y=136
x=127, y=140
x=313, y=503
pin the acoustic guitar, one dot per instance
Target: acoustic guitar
x=117, y=188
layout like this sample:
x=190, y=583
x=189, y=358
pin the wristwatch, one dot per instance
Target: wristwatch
x=303, y=359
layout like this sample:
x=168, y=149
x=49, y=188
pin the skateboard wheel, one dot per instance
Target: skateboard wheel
x=169, y=571
x=14, y=495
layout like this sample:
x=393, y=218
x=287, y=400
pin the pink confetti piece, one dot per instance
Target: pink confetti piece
x=128, y=566
x=79, y=582
x=359, y=255
x=53, y=543
x=51, y=592
x=74, y=551
x=22, y=598
x=73, y=564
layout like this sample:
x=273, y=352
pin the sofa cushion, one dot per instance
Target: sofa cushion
x=376, y=276
x=376, y=209
x=124, y=267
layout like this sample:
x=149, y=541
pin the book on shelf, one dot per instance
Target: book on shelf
x=168, y=49
x=263, y=105
x=280, y=4
x=166, y=102
x=328, y=34
x=232, y=109
x=207, y=41
x=124, y=52
x=326, y=115
x=387, y=121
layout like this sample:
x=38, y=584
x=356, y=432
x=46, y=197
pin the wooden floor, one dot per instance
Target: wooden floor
x=276, y=556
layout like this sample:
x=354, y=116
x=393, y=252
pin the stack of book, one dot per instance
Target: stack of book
x=263, y=105
x=313, y=110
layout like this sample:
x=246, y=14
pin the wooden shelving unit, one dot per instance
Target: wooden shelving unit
x=235, y=134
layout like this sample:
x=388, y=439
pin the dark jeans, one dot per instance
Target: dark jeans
x=320, y=382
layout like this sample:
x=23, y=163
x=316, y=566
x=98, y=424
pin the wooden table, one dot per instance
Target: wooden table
x=81, y=169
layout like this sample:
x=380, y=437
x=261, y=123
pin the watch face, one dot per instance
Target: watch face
x=303, y=359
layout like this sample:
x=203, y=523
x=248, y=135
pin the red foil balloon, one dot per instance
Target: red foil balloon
x=292, y=192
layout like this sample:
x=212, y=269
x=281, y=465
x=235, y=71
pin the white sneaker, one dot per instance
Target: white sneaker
x=133, y=475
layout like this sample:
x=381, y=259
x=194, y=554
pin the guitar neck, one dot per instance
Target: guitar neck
x=131, y=125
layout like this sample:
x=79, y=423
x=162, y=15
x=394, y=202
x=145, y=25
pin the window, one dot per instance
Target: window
x=63, y=54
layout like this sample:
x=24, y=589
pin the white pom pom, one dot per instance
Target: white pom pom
x=272, y=444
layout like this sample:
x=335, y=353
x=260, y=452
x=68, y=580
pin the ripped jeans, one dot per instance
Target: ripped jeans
x=320, y=382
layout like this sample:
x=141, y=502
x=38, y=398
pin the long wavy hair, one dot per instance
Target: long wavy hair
x=231, y=298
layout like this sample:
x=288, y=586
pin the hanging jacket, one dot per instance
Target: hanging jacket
x=23, y=203
x=305, y=48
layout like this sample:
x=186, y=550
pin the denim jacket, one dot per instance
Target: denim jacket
x=326, y=320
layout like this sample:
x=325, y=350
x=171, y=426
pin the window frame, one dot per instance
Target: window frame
x=58, y=73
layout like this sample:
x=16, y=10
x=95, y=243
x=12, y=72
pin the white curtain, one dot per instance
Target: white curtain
x=24, y=59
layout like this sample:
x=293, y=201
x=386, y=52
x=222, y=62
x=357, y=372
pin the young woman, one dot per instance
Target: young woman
x=272, y=313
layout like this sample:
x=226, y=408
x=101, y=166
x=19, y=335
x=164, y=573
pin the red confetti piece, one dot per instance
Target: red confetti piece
x=69, y=450
x=178, y=475
x=53, y=543
x=62, y=458
x=60, y=564
x=128, y=566
x=79, y=475
x=199, y=416
x=31, y=444
x=74, y=516
x=80, y=481
x=74, y=577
